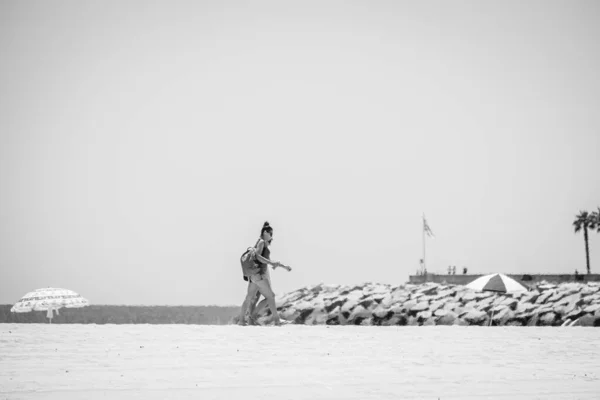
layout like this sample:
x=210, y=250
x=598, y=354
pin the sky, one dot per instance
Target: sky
x=143, y=144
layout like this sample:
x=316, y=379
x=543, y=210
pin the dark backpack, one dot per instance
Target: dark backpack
x=250, y=264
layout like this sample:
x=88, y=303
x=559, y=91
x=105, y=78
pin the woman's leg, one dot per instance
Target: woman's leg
x=260, y=307
x=264, y=287
x=252, y=308
x=251, y=295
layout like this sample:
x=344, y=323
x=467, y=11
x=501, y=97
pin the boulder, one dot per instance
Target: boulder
x=503, y=316
x=450, y=305
x=574, y=299
x=545, y=296
x=435, y=305
x=468, y=296
x=592, y=309
x=460, y=322
x=317, y=317
x=472, y=305
x=429, y=322
x=408, y=305
x=484, y=295
x=359, y=312
x=442, y=294
x=412, y=321
x=397, y=309
x=525, y=307
x=424, y=315
x=395, y=320
x=546, y=286
x=429, y=289
x=533, y=320
x=421, y=306
x=475, y=317
x=576, y=313
x=380, y=311
x=588, y=290
x=486, y=302
x=586, y=320
x=334, y=303
x=447, y=319
x=548, y=319
x=289, y=314
x=510, y=303
x=441, y=312
x=529, y=297
x=557, y=296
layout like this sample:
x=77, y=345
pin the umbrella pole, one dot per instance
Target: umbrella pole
x=492, y=318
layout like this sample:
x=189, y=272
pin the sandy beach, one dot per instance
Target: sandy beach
x=297, y=362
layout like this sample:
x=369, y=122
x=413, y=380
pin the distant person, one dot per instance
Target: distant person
x=464, y=270
x=454, y=270
x=260, y=282
x=449, y=269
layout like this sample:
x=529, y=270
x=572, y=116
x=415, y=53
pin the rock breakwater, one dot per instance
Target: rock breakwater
x=545, y=304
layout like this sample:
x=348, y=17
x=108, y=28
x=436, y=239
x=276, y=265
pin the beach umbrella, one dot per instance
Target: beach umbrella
x=498, y=283
x=49, y=299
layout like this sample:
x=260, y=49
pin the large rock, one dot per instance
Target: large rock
x=592, y=309
x=408, y=305
x=475, y=317
x=545, y=296
x=359, y=312
x=428, y=289
x=533, y=320
x=484, y=295
x=557, y=296
x=468, y=296
x=424, y=315
x=503, y=316
x=548, y=319
x=574, y=299
x=530, y=297
x=589, y=290
x=586, y=320
x=446, y=319
x=435, y=305
x=395, y=320
x=421, y=306
x=510, y=303
x=380, y=311
x=525, y=308
x=445, y=293
x=317, y=317
x=460, y=322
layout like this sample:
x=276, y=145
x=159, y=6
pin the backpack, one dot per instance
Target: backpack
x=250, y=265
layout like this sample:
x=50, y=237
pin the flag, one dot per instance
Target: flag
x=427, y=229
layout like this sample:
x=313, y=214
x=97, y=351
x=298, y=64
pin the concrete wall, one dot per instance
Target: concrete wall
x=525, y=278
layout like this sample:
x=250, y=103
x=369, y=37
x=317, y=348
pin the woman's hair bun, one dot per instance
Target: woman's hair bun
x=266, y=224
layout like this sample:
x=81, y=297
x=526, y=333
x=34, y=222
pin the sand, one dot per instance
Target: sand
x=40, y=361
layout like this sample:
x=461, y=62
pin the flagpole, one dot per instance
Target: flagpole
x=423, y=223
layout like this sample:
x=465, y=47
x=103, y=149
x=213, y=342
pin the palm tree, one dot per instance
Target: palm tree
x=585, y=221
x=596, y=219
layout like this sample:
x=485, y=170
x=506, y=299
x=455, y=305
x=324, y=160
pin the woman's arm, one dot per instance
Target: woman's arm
x=259, y=257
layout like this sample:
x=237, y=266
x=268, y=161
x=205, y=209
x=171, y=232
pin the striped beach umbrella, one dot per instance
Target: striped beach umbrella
x=49, y=298
x=499, y=283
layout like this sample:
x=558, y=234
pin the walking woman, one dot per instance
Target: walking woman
x=260, y=281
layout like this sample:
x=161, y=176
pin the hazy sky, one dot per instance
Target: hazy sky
x=143, y=144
